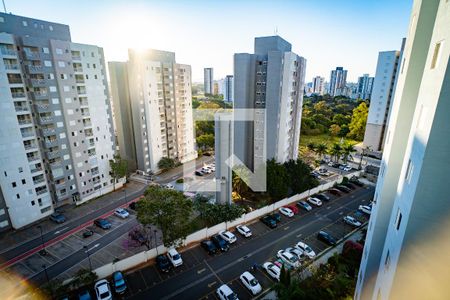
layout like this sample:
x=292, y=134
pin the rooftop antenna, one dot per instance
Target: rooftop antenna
x=276, y=30
x=4, y=6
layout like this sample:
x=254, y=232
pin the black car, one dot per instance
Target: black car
x=209, y=247
x=276, y=217
x=326, y=237
x=57, y=218
x=103, y=223
x=343, y=188
x=88, y=233
x=355, y=180
x=163, y=263
x=220, y=243
x=334, y=192
x=321, y=197
x=132, y=205
x=269, y=221
x=138, y=237
x=304, y=205
x=349, y=185
x=199, y=173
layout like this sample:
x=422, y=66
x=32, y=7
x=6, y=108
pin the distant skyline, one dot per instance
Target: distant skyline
x=328, y=33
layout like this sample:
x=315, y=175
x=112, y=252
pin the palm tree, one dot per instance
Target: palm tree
x=347, y=151
x=238, y=185
x=321, y=149
x=336, y=151
x=311, y=147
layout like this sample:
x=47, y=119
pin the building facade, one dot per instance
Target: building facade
x=228, y=88
x=57, y=133
x=364, y=87
x=224, y=143
x=208, y=80
x=318, y=85
x=407, y=245
x=338, y=81
x=272, y=80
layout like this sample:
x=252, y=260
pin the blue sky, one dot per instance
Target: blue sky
x=328, y=33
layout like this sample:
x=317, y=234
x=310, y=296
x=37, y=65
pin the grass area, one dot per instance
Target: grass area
x=323, y=138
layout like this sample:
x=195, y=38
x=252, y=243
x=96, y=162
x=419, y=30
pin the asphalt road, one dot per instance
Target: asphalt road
x=201, y=274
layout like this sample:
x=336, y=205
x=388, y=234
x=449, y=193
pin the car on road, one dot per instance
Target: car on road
x=286, y=211
x=163, y=263
x=88, y=233
x=228, y=236
x=326, y=237
x=206, y=170
x=169, y=186
x=211, y=167
x=209, y=246
x=307, y=250
x=102, y=223
x=225, y=293
x=276, y=217
x=365, y=209
x=293, y=208
x=304, y=205
x=267, y=220
x=333, y=164
x=244, y=230
x=84, y=295
x=343, y=188
x=314, y=201
x=352, y=221
x=174, y=257
x=250, y=282
x=273, y=270
x=220, y=243
x=122, y=213
x=322, y=197
x=334, y=192
x=347, y=168
x=296, y=252
x=138, y=237
x=199, y=173
x=102, y=290
x=57, y=218
x=119, y=284
x=355, y=180
x=288, y=259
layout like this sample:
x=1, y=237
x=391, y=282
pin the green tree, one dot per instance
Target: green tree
x=166, y=163
x=347, y=151
x=311, y=147
x=358, y=124
x=277, y=180
x=205, y=141
x=195, y=103
x=214, y=213
x=169, y=210
x=341, y=119
x=82, y=278
x=299, y=176
x=335, y=151
x=204, y=127
x=321, y=150
x=118, y=168
x=334, y=129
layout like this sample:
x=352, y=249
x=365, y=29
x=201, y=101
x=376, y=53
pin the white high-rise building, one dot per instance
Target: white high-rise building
x=338, y=81
x=56, y=130
x=406, y=255
x=208, y=79
x=228, y=88
x=364, y=87
x=272, y=79
x=318, y=85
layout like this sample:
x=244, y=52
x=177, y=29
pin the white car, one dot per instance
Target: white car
x=296, y=252
x=315, y=201
x=169, y=186
x=211, y=167
x=347, y=168
x=352, y=221
x=288, y=258
x=323, y=171
x=225, y=293
x=228, y=236
x=365, y=209
x=273, y=270
x=286, y=211
x=102, y=290
x=244, y=230
x=250, y=282
x=206, y=170
x=306, y=249
x=174, y=257
x=121, y=213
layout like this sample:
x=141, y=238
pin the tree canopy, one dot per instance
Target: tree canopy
x=358, y=124
x=118, y=167
x=166, y=163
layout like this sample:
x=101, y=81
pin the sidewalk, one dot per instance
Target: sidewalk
x=12, y=238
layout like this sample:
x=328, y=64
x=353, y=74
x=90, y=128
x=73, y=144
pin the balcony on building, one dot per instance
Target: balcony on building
x=42, y=105
x=11, y=64
x=32, y=156
x=34, y=68
x=18, y=92
x=60, y=183
x=21, y=107
x=50, y=141
x=30, y=145
x=87, y=122
x=31, y=53
x=85, y=112
x=36, y=168
x=40, y=93
x=83, y=101
x=27, y=132
x=81, y=90
x=41, y=190
x=37, y=80
x=91, y=152
x=91, y=143
x=45, y=118
x=38, y=179
x=48, y=129
x=76, y=55
x=54, y=162
x=14, y=78
x=24, y=119
x=94, y=171
x=53, y=152
x=96, y=180
x=77, y=67
x=79, y=78
x=7, y=50
x=88, y=132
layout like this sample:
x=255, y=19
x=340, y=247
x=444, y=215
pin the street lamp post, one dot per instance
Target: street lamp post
x=156, y=242
x=88, y=256
x=48, y=281
x=43, y=251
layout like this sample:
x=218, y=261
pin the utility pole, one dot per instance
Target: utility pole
x=4, y=6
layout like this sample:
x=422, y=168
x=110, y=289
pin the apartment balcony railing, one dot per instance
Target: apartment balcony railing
x=78, y=69
x=35, y=170
x=55, y=164
x=48, y=130
x=11, y=66
x=34, y=69
x=95, y=172
x=32, y=55
x=39, y=94
x=91, y=145
x=45, y=120
x=25, y=121
x=27, y=134
x=15, y=80
x=30, y=146
x=96, y=181
x=18, y=94
x=62, y=194
x=21, y=108
x=88, y=133
x=87, y=124
x=91, y=154
x=52, y=154
x=50, y=143
x=76, y=57
x=81, y=91
x=6, y=51
x=38, y=180
x=40, y=192
x=37, y=82
x=42, y=107
x=33, y=158
x=84, y=103
x=79, y=80
x=60, y=184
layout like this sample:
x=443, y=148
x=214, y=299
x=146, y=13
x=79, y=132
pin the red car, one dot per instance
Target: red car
x=293, y=208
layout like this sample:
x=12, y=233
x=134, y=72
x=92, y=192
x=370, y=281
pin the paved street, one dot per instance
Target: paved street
x=201, y=274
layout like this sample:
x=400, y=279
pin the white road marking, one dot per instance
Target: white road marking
x=201, y=271
x=299, y=235
x=92, y=248
x=286, y=228
x=341, y=213
x=211, y=284
x=61, y=230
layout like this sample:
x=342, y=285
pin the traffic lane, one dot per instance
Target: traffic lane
x=236, y=258
x=164, y=179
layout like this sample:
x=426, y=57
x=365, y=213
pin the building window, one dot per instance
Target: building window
x=45, y=50
x=387, y=261
x=2, y=20
x=17, y=196
x=50, y=27
x=23, y=181
x=436, y=55
x=25, y=23
x=59, y=51
x=14, y=184
x=398, y=220
x=409, y=171
x=32, y=203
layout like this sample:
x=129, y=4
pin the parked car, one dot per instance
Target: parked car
x=334, y=192
x=314, y=201
x=138, y=237
x=209, y=246
x=333, y=164
x=286, y=211
x=304, y=205
x=102, y=223
x=250, y=282
x=169, y=186
x=323, y=171
x=102, y=290
x=352, y=221
x=225, y=293
x=296, y=252
x=57, y=218
x=293, y=208
x=174, y=257
x=327, y=238
x=365, y=209
x=343, y=188
x=228, y=236
x=220, y=243
x=212, y=167
x=273, y=270
x=308, y=251
x=119, y=284
x=132, y=205
x=321, y=197
x=122, y=213
x=349, y=185
x=206, y=170
x=199, y=173
x=288, y=259
x=269, y=221
x=163, y=263
x=87, y=233
x=244, y=230
x=355, y=180
x=276, y=217
x=84, y=295
x=347, y=168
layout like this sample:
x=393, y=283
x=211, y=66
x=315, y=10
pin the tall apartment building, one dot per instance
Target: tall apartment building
x=272, y=80
x=56, y=131
x=407, y=245
x=224, y=144
x=228, y=88
x=338, y=81
x=381, y=98
x=318, y=85
x=161, y=108
x=208, y=80
x=364, y=87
